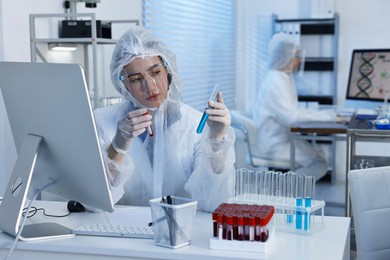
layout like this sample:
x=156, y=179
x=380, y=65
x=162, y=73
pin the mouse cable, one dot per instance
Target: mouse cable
x=34, y=210
x=25, y=217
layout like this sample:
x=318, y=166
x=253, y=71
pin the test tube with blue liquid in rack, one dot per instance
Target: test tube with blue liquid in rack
x=299, y=201
x=205, y=116
x=309, y=194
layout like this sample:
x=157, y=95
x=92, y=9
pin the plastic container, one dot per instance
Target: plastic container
x=173, y=222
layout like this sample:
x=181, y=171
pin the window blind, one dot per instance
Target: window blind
x=201, y=33
x=257, y=35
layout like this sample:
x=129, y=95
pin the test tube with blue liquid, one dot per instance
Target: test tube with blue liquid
x=299, y=201
x=309, y=194
x=205, y=116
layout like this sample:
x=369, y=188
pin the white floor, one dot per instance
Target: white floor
x=334, y=196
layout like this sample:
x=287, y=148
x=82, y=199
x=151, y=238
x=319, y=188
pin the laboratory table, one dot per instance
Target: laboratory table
x=359, y=130
x=332, y=242
x=314, y=132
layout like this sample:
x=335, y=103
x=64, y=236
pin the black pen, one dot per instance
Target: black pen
x=170, y=219
x=156, y=221
x=169, y=200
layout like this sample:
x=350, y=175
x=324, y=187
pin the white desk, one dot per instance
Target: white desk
x=330, y=243
x=360, y=131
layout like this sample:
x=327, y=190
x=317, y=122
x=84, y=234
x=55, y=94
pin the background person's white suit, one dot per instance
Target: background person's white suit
x=277, y=109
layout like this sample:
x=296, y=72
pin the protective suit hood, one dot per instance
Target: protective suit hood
x=138, y=42
x=282, y=49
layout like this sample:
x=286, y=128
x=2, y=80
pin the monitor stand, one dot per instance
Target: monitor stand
x=11, y=208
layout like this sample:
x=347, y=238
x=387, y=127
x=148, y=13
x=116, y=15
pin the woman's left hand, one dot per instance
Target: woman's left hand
x=219, y=117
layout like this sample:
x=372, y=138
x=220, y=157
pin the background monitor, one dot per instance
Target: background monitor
x=369, y=78
x=54, y=131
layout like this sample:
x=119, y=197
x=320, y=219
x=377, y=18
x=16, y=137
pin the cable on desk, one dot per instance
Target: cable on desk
x=34, y=210
x=25, y=217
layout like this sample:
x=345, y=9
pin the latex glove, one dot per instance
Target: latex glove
x=219, y=119
x=130, y=126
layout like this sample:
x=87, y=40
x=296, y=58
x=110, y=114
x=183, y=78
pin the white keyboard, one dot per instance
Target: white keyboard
x=111, y=230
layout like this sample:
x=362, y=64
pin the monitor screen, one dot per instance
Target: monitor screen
x=54, y=131
x=369, y=76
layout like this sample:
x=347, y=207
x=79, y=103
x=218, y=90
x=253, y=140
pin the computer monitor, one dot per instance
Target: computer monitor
x=369, y=78
x=53, y=127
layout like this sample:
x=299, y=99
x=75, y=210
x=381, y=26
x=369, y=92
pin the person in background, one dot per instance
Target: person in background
x=277, y=110
x=149, y=141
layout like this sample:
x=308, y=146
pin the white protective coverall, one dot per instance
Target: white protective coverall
x=176, y=160
x=277, y=110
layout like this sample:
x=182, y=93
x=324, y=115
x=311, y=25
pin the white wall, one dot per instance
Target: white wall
x=2, y=112
x=15, y=46
x=363, y=24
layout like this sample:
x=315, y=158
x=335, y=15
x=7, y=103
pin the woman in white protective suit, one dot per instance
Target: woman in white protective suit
x=150, y=143
x=277, y=109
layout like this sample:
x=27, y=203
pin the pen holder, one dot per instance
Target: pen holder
x=173, y=223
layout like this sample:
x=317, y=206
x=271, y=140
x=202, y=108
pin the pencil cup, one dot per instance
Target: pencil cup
x=173, y=220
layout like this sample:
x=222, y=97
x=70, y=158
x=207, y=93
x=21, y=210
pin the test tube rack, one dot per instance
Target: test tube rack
x=287, y=215
x=290, y=193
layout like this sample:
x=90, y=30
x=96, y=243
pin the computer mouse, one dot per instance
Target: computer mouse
x=75, y=206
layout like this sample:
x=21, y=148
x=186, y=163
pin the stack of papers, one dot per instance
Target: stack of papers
x=366, y=111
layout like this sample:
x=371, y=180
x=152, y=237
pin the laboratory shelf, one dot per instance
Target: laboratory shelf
x=319, y=37
x=319, y=64
x=75, y=40
x=304, y=20
x=39, y=21
x=322, y=100
x=366, y=161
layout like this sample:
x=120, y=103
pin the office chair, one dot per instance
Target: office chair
x=370, y=199
x=246, y=131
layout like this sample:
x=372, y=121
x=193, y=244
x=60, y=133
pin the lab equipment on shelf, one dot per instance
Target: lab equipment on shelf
x=291, y=194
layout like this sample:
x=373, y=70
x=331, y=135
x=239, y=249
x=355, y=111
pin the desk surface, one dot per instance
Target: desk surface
x=327, y=128
x=329, y=243
x=359, y=126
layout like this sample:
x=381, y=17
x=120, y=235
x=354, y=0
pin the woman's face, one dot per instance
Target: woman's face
x=296, y=61
x=147, y=81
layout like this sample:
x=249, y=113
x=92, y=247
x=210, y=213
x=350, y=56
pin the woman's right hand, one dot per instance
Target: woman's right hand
x=131, y=125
